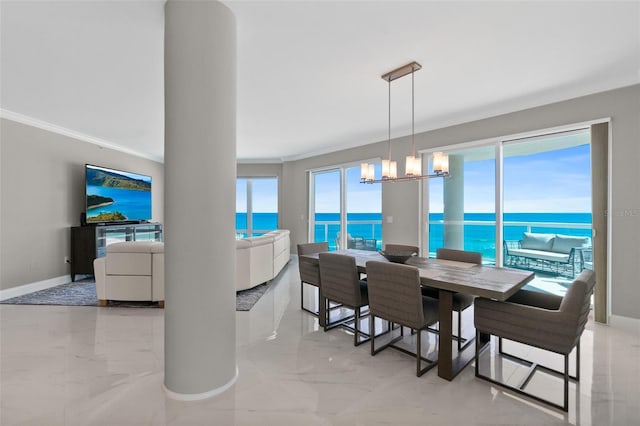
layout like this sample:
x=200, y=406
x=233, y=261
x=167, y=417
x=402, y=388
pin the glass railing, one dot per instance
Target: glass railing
x=479, y=235
x=365, y=234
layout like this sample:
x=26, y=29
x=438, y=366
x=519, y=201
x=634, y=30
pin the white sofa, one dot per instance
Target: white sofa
x=260, y=259
x=131, y=270
x=134, y=270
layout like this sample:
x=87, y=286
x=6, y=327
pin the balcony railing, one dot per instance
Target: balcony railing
x=328, y=230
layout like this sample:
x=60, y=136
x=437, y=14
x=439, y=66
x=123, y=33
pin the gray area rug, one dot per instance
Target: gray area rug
x=83, y=293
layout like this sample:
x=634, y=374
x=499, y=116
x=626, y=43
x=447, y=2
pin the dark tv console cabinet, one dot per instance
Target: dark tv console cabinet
x=90, y=242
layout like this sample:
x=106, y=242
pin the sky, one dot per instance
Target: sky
x=550, y=181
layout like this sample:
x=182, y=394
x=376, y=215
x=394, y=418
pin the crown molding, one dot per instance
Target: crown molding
x=44, y=125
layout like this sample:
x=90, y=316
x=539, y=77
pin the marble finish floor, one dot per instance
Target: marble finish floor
x=80, y=365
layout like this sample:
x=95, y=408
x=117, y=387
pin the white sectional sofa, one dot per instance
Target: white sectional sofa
x=260, y=259
x=134, y=270
x=131, y=270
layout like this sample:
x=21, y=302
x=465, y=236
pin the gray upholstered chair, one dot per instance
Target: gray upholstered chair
x=395, y=295
x=401, y=247
x=309, y=271
x=545, y=321
x=340, y=282
x=461, y=301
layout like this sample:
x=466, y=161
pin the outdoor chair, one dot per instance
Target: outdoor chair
x=395, y=296
x=340, y=282
x=548, y=322
x=309, y=270
x=461, y=301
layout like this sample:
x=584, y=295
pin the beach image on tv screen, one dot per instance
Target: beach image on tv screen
x=114, y=195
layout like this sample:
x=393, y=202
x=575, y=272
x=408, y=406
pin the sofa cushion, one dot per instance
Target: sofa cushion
x=128, y=264
x=533, y=241
x=564, y=243
x=540, y=255
x=134, y=247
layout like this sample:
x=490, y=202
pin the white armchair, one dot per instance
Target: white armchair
x=132, y=270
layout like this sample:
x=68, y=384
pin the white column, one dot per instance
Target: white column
x=454, y=204
x=200, y=182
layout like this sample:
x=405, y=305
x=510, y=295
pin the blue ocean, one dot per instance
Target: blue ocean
x=479, y=228
x=135, y=205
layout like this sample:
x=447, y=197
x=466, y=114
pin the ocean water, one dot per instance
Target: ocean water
x=134, y=204
x=261, y=223
x=479, y=236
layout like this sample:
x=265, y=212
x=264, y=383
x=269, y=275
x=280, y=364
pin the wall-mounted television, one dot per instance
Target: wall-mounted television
x=116, y=196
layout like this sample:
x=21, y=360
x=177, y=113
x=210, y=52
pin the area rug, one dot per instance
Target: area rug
x=83, y=293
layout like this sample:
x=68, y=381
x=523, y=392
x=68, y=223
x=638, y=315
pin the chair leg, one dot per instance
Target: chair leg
x=302, y=307
x=418, y=353
x=328, y=317
x=477, y=352
x=373, y=334
x=460, y=338
x=566, y=383
x=578, y=361
x=356, y=326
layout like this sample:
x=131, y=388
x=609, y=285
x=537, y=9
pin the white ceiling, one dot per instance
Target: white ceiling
x=309, y=71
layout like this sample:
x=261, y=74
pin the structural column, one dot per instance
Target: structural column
x=454, y=204
x=200, y=182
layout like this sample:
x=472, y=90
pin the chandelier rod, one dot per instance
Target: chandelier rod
x=389, y=126
x=413, y=115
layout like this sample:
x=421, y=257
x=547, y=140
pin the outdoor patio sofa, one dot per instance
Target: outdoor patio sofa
x=552, y=253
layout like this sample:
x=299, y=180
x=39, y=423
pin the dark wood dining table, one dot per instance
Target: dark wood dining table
x=449, y=277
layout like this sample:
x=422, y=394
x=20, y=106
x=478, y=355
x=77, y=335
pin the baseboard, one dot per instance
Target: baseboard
x=33, y=287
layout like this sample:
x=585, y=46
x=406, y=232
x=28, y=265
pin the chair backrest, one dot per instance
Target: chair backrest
x=459, y=255
x=401, y=247
x=394, y=293
x=339, y=279
x=309, y=270
x=577, y=301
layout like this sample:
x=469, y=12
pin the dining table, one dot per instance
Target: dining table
x=448, y=277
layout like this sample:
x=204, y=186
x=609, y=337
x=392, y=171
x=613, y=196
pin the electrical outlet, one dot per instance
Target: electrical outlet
x=67, y=260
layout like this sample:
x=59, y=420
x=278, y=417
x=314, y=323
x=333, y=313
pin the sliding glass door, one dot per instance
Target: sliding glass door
x=461, y=207
x=547, y=207
x=340, y=201
x=522, y=203
x=326, y=208
x=364, y=212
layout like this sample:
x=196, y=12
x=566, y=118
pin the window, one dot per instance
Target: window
x=544, y=191
x=256, y=206
x=338, y=201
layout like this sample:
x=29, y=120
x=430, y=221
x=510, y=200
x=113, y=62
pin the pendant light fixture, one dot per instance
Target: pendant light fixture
x=413, y=162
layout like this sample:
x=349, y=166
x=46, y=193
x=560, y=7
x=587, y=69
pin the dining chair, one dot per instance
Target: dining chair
x=401, y=247
x=545, y=321
x=340, y=282
x=395, y=296
x=461, y=301
x=309, y=270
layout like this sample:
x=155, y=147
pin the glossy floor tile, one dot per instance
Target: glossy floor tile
x=104, y=366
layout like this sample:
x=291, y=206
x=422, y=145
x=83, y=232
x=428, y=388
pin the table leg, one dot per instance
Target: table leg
x=448, y=366
x=445, y=364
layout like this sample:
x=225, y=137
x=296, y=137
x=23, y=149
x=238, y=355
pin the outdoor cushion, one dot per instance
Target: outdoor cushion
x=564, y=243
x=541, y=255
x=537, y=241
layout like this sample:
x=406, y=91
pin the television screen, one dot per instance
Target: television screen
x=116, y=196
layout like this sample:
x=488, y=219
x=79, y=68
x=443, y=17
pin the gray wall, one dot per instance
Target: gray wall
x=401, y=200
x=42, y=191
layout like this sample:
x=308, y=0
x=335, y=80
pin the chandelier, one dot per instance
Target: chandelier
x=413, y=162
